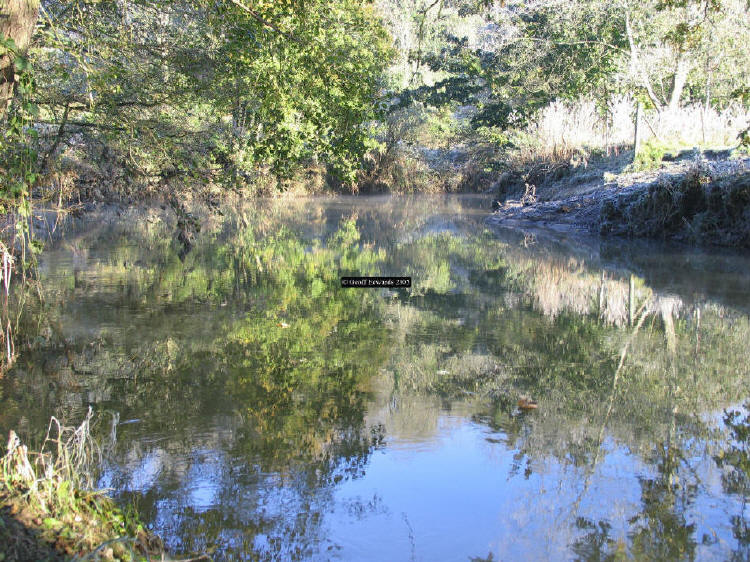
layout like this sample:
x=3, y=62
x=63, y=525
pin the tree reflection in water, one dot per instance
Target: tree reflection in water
x=252, y=394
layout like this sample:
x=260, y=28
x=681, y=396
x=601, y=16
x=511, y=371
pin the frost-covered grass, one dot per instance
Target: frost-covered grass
x=49, y=509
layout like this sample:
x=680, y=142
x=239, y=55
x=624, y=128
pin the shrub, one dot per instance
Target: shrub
x=649, y=157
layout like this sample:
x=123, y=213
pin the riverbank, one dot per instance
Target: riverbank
x=691, y=197
x=50, y=511
x=696, y=198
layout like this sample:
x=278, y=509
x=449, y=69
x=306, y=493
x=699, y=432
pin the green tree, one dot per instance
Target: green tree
x=165, y=89
x=535, y=53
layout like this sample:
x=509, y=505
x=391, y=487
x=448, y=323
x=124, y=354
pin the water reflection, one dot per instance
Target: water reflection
x=253, y=409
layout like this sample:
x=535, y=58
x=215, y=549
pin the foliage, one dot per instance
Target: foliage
x=565, y=50
x=204, y=91
x=153, y=95
x=306, y=93
x=18, y=146
x=649, y=157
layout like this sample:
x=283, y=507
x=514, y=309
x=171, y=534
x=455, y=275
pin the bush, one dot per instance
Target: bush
x=649, y=157
x=48, y=509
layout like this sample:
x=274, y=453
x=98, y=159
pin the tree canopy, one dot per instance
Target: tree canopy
x=532, y=53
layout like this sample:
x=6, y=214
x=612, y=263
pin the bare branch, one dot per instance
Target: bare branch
x=636, y=67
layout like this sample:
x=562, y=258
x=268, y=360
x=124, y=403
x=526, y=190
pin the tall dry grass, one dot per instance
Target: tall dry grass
x=564, y=129
x=51, y=492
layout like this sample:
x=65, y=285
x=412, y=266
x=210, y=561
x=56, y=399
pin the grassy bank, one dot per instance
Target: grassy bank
x=693, y=207
x=49, y=510
x=696, y=202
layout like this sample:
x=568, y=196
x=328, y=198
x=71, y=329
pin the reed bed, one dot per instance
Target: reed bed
x=564, y=128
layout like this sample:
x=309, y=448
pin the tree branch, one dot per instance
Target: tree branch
x=58, y=138
x=256, y=16
x=84, y=124
x=637, y=68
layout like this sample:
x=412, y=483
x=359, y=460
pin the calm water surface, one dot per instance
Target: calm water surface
x=253, y=409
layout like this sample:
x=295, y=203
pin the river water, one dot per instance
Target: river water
x=251, y=408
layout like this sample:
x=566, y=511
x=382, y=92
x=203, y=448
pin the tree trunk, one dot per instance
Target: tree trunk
x=680, y=78
x=17, y=22
x=636, y=68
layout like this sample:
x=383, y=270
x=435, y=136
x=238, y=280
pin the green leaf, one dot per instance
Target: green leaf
x=51, y=523
x=21, y=63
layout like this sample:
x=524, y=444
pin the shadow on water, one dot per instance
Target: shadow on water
x=254, y=409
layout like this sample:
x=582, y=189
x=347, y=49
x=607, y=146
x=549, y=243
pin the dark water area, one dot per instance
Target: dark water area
x=251, y=408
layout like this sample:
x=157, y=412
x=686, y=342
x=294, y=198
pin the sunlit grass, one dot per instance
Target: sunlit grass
x=51, y=494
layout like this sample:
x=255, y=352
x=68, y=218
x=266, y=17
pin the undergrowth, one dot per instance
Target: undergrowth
x=49, y=509
x=649, y=157
x=694, y=207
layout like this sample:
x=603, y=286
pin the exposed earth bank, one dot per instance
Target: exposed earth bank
x=695, y=199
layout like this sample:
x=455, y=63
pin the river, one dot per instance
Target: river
x=251, y=408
